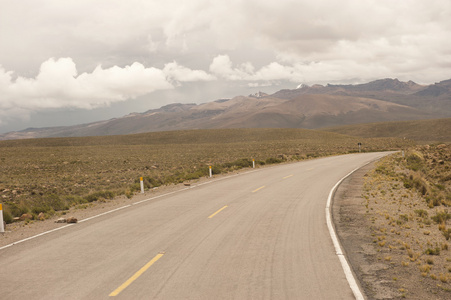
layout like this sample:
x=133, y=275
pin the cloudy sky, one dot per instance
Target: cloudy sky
x=70, y=62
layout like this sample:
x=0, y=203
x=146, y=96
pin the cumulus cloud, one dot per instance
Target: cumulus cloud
x=180, y=73
x=222, y=66
x=58, y=85
x=322, y=72
x=400, y=35
x=258, y=42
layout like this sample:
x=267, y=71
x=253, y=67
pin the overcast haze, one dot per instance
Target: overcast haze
x=70, y=62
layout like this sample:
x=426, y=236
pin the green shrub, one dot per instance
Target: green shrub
x=199, y=173
x=435, y=251
x=73, y=200
x=98, y=195
x=151, y=182
x=447, y=233
x=243, y=163
x=55, y=202
x=441, y=217
x=238, y=164
x=273, y=160
x=417, y=182
x=42, y=207
x=421, y=213
x=403, y=219
x=216, y=170
x=415, y=161
x=7, y=217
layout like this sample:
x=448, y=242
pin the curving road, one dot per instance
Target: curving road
x=259, y=235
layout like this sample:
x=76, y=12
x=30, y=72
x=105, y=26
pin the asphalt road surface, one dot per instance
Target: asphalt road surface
x=259, y=235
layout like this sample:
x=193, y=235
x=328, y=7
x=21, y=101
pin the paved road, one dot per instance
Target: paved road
x=260, y=235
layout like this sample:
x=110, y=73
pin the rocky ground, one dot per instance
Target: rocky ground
x=396, y=249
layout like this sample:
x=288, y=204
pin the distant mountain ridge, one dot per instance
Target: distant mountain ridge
x=311, y=107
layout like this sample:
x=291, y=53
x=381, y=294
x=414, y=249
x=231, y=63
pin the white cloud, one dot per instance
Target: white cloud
x=117, y=33
x=259, y=42
x=58, y=85
x=179, y=73
x=222, y=66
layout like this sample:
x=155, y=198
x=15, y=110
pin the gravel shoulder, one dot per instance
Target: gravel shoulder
x=386, y=250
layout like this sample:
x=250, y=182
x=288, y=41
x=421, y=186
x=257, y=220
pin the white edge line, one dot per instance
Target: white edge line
x=344, y=263
x=122, y=207
x=35, y=236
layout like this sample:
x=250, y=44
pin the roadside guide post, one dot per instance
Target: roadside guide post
x=253, y=163
x=211, y=174
x=2, y=227
x=360, y=144
x=142, y=185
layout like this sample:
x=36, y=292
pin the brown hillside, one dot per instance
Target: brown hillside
x=306, y=107
x=316, y=111
x=423, y=131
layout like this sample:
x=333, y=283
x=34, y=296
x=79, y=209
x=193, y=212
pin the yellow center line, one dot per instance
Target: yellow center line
x=288, y=176
x=217, y=212
x=258, y=189
x=136, y=275
x=310, y=169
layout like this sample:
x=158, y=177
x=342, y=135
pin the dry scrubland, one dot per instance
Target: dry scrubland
x=41, y=177
x=422, y=131
x=407, y=203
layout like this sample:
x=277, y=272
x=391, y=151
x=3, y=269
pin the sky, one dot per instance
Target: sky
x=71, y=62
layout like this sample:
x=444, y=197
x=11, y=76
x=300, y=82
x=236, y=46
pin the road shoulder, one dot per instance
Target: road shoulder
x=381, y=267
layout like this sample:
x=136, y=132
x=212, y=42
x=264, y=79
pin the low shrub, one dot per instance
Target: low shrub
x=16, y=210
x=273, y=160
x=435, y=251
x=447, y=233
x=98, y=195
x=415, y=161
x=421, y=213
x=441, y=217
x=7, y=217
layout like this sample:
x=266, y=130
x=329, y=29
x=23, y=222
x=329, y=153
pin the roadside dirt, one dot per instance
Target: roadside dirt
x=385, y=242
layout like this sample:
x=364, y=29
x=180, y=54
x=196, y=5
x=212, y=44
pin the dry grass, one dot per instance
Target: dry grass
x=411, y=195
x=48, y=175
x=423, y=131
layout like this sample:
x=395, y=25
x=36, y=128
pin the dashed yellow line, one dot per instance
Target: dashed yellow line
x=136, y=275
x=217, y=212
x=310, y=169
x=262, y=187
x=288, y=176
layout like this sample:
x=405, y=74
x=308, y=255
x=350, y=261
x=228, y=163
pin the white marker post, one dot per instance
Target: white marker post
x=253, y=163
x=211, y=173
x=142, y=185
x=2, y=227
x=360, y=144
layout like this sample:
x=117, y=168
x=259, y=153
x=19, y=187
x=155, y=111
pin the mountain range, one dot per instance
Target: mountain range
x=310, y=107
